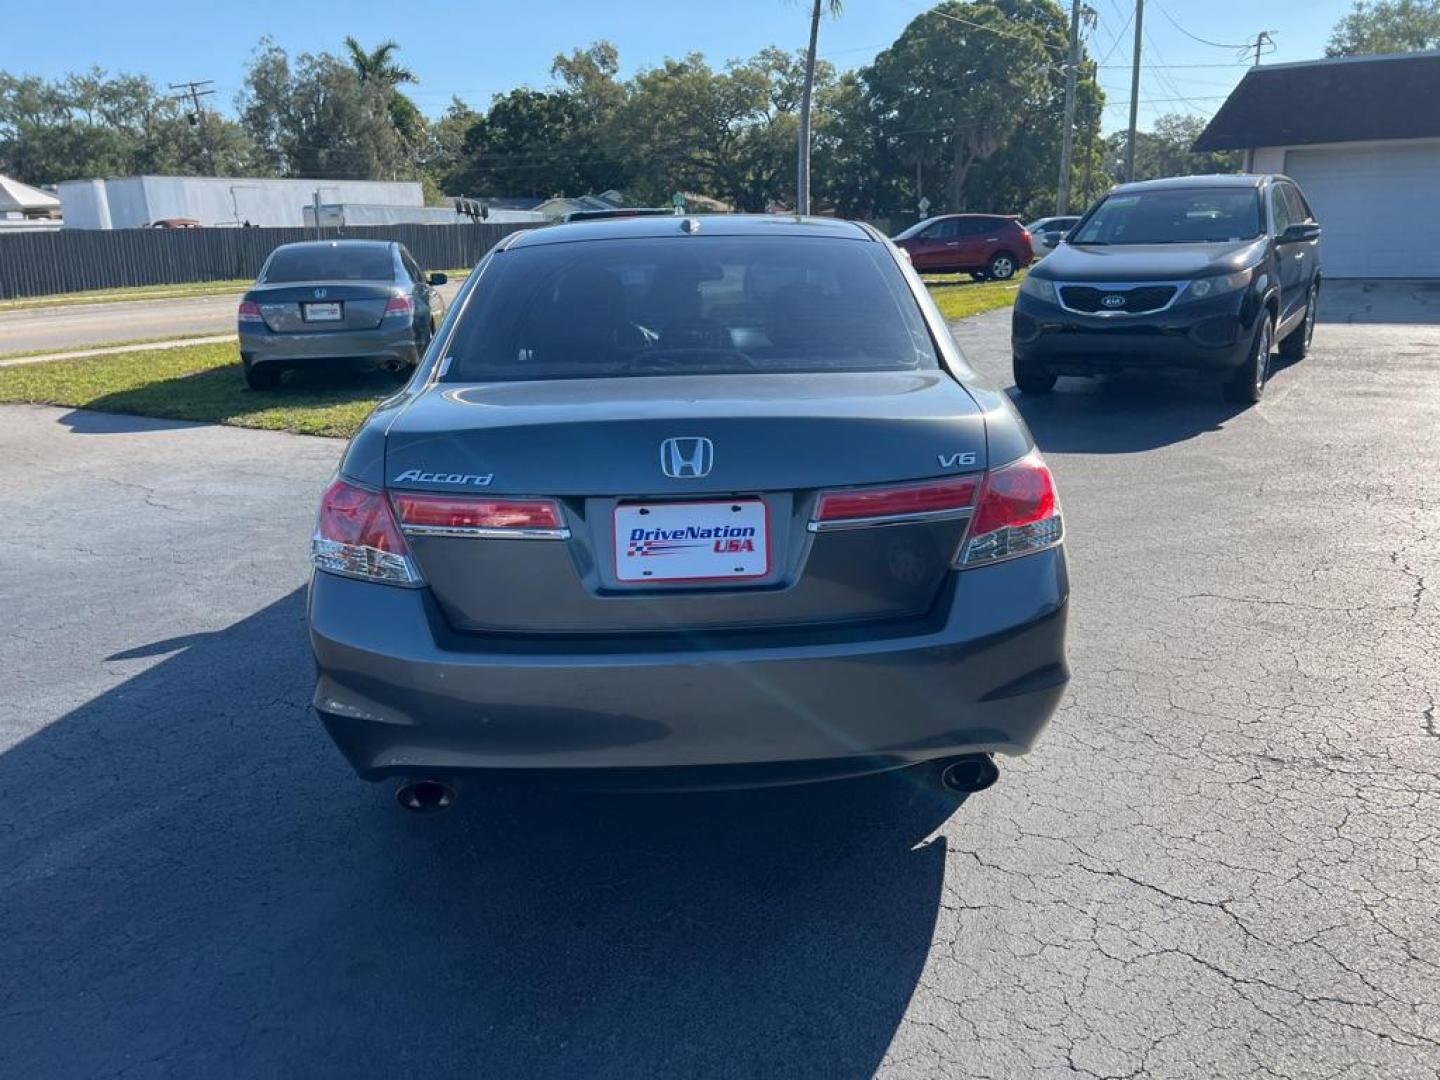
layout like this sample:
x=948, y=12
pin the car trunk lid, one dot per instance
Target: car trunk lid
x=321, y=306
x=596, y=446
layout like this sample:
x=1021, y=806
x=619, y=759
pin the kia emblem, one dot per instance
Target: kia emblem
x=1113, y=300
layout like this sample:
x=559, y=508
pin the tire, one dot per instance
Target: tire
x=1030, y=378
x=261, y=378
x=1296, y=344
x=1247, y=385
x=1002, y=267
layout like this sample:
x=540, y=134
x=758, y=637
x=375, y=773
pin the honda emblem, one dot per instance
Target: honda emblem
x=688, y=458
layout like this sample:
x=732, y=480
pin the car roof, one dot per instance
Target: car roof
x=337, y=244
x=701, y=225
x=1180, y=183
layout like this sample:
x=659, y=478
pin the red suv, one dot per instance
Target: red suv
x=985, y=245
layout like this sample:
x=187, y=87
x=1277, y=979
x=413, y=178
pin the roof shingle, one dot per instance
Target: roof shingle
x=1345, y=99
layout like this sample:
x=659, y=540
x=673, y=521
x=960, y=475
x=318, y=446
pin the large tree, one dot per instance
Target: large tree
x=378, y=68
x=1387, y=26
x=1164, y=150
x=97, y=124
x=961, y=79
x=317, y=118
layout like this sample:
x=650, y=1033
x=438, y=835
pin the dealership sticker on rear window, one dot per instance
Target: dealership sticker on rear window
x=702, y=541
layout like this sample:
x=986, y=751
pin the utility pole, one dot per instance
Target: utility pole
x=1134, y=91
x=802, y=179
x=193, y=90
x=1067, y=138
x=1262, y=39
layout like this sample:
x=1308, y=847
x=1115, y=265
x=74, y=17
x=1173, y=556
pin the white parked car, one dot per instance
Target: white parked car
x=1048, y=231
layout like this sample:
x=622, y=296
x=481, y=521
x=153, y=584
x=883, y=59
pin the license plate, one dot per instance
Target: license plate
x=697, y=541
x=321, y=312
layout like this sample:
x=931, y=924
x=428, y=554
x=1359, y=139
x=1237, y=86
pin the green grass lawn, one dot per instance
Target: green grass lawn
x=204, y=383
x=22, y=353
x=959, y=297
x=200, y=382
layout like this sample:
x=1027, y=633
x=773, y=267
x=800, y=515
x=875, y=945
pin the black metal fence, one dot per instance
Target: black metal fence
x=40, y=263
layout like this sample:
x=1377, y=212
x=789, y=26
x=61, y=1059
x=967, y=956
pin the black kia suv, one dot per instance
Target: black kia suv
x=1197, y=272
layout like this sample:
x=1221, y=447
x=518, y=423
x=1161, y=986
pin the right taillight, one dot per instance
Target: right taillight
x=249, y=312
x=1017, y=514
x=357, y=536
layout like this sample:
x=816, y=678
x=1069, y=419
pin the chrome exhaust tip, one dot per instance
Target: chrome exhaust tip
x=424, y=796
x=967, y=775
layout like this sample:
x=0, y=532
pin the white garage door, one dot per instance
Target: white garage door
x=1379, y=208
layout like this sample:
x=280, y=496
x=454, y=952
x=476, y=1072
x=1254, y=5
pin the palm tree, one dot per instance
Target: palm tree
x=377, y=66
x=802, y=187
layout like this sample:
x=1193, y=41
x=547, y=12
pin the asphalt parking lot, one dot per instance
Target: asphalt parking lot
x=1221, y=861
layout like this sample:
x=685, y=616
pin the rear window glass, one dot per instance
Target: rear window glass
x=688, y=305
x=1175, y=216
x=325, y=263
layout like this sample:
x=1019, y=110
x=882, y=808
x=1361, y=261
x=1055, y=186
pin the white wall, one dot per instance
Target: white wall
x=1271, y=159
x=135, y=201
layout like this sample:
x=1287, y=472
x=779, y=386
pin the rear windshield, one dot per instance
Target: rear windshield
x=688, y=305
x=1183, y=216
x=326, y=263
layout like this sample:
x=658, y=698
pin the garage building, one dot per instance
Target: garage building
x=1361, y=135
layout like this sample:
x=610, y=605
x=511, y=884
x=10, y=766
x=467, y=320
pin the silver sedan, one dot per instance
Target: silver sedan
x=332, y=301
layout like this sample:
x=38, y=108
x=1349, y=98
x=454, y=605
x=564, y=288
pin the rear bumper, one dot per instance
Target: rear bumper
x=383, y=343
x=402, y=694
x=1205, y=336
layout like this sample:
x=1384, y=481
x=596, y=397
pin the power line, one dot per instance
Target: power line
x=1196, y=37
x=193, y=91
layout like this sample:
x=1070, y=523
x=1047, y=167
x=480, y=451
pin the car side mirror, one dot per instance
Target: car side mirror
x=438, y=279
x=1299, y=234
x=1053, y=238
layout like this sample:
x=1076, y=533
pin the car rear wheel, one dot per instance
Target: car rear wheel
x=1031, y=378
x=266, y=377
x=1296, y=344
x=1002, y=267
x=1247, y=385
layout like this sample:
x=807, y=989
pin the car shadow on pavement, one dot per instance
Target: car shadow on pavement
x=193, y=883
x=1123, y=414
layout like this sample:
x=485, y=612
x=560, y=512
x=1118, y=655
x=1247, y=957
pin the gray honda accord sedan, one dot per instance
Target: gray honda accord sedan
x=329, y=301
x=689, y=502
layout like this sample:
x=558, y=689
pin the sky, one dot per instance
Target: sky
x=484, y=47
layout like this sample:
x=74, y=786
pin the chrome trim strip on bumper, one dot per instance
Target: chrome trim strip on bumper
x=891, y=519
x=1117, y=287
x=485, y=532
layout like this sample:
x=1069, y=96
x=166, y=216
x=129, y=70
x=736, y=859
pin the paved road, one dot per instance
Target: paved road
x=1222, y=860
x=77, y=325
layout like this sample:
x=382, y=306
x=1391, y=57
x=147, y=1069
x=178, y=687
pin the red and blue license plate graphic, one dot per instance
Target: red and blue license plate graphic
x=699, y=541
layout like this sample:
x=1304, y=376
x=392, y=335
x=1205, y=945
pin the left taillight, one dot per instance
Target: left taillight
x=357, y=536
x=249, y=312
